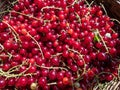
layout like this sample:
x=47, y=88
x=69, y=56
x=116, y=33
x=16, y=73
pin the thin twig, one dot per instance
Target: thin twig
x=75, y=1
x=55, y=55
x=10, y=55
x=50, y=7
x=17, y=66
x=103, y=41
x=27, y=15
x=53, y=83
x=37, y=45
x=52, y=67
x=4, y=12
x=8, y=75
x=115, y=20
x=2, y=47
x=104, y=8
x=87, y=3
x=106, y=73
x=78, y=17
x=92, y=3
x=81, y=56
x=17, y=36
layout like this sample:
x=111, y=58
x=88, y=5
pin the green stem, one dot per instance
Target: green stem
x=103, y=41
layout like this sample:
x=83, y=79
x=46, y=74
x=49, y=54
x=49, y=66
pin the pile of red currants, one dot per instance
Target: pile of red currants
x=57, y=44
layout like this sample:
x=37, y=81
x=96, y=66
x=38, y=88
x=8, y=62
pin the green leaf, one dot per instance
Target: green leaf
x=97, y=38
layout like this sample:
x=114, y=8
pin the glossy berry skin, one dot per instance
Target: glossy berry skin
x=74, y=68
x=22, y=82
x=47, y=55
x=109, y=77
x=42, y=81
x=11, y=82
x=32, y=69
x=80, y=63
x=101, y=56
x=91, y=73
x=55, y=61
x=31, y=80
x=2, y=83
x=52, y=75
x=44, y=72
x=6, y=67
x=60, y=75
x=57, y=44
x=8, y=45
x=66, y=81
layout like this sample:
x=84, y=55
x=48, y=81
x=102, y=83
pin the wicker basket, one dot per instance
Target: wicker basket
x=4, y=5
x=112, y=7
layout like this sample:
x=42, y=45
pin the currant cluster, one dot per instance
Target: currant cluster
x=57, y=44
